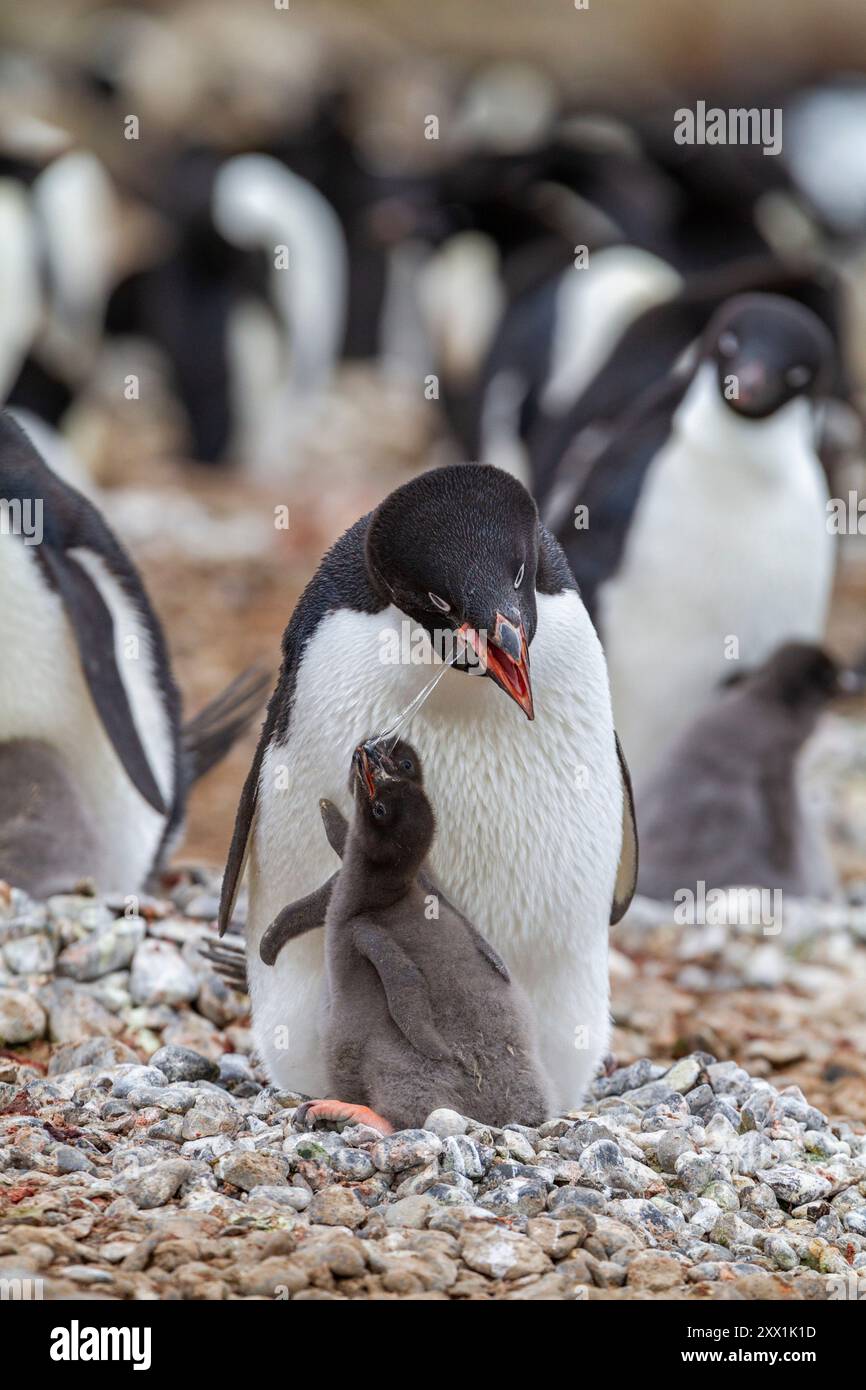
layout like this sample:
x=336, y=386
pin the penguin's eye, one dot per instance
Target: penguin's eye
x=519, y=576
x=728, y=343
x=439, y=603
x=379, y=809
x=798, y=376
x=407, y=765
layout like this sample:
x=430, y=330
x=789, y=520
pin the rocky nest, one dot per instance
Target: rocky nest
x=143, y=1155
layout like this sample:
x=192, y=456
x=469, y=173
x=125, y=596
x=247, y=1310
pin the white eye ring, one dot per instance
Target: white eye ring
x=439, y=603
x=798, y=376
x=520, y=573
x=728, y=343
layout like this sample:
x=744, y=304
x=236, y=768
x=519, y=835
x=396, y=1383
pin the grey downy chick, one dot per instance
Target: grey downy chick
x=727, y=807
x=420, y=1011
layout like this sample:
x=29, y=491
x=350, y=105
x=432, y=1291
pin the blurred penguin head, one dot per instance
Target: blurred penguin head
x=767, y=350
x=803, y=677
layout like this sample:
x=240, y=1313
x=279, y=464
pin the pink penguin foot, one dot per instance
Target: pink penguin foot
x=340, y=1112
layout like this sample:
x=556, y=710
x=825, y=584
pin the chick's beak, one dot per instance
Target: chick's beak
x=365, y=769
x=505, y=657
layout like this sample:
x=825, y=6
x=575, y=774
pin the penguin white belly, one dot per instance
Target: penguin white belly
x=529, y=820
x=44, y=696
x=729, y=554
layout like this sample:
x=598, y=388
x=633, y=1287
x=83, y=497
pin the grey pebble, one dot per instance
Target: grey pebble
x=395, y=1152
x=516, y=1196
x=446, y=1124
x=183, y=1064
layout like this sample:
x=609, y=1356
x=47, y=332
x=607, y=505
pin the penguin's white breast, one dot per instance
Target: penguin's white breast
x=528, y=814
x=728, y=552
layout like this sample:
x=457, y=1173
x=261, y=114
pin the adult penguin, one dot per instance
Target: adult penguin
x=95, y=763
x=701, y=534
x=536, y=842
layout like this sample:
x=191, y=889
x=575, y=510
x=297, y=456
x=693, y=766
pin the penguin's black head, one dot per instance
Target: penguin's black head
x=393, y=816
x=456, y=550
x=767, y=349
x=804, y=677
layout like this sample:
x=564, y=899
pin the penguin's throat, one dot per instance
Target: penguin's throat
x=374, y=884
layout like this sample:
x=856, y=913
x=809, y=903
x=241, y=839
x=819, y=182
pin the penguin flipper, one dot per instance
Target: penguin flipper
x=626, y=874
x=307, y=913
x=239, y=847
x=336, y=826
x=93, y=624
x=490, y=954
x=296, y=920
x=406, y=991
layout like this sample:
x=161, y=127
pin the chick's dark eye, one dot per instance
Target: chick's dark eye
x=378, y=809
x=407, y=765
x=440, y=603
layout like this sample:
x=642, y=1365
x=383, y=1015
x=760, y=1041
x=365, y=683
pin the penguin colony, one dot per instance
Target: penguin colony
x=619, y=573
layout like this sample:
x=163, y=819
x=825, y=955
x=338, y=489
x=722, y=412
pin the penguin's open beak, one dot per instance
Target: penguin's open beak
x=371, y=766
x=505, y=658
x=365, y=768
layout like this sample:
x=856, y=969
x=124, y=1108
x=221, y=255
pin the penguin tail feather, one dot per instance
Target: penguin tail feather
x=207, y=738
x=228, y=960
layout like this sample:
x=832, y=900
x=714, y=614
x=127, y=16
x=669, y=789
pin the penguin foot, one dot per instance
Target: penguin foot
x=340, y=1112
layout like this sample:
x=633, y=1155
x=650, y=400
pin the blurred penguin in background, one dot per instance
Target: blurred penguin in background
x=726, y=807
x=247, y=305
x=95, y=761
x=57, y=230
x=701, y=532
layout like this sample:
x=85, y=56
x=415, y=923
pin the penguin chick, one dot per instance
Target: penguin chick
x=310, y=912
x=45, y=833
x=726, y=808
x=418, y=1014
